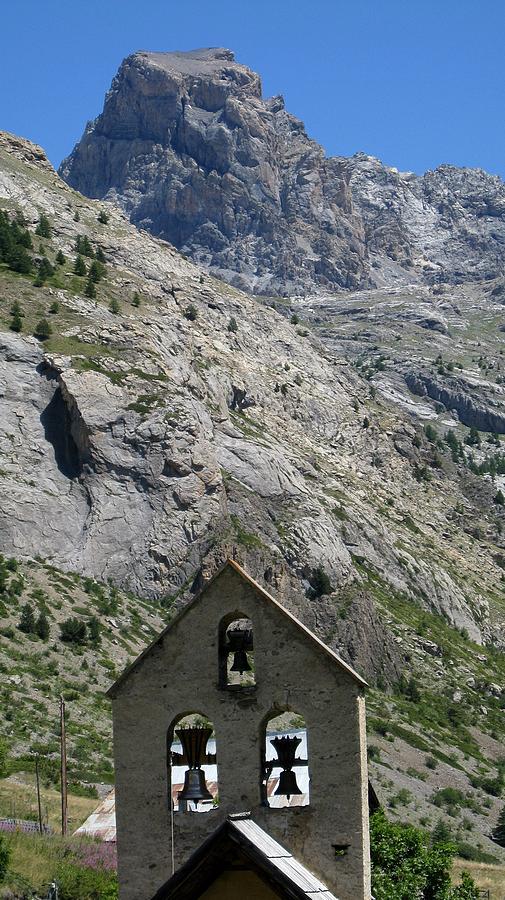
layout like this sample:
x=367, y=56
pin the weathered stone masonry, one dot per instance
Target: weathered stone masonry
x=294, y=671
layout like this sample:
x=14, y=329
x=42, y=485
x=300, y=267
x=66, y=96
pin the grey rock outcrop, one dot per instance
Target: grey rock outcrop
x=188, y=147
x=460, y=397
x=147, y=445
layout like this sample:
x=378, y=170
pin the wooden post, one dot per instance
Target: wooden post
x=63, y=768
x=37, y=779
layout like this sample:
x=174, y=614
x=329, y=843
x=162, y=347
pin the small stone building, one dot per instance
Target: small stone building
x=234, y=660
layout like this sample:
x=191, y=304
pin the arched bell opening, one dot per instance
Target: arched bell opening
x=236, y=652
x=285, y=777
x=192, y=764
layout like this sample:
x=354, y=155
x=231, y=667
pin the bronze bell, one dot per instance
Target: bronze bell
x=240, y=662
x=287, y=786
x=194, y=746
x=195, y=787
x=286, y=747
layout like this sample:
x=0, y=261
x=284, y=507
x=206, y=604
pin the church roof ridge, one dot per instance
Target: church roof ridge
x=231, y=563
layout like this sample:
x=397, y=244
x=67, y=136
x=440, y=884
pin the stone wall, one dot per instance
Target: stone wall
x=179, y=676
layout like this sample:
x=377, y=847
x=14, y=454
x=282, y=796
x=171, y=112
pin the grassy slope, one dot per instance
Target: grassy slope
x=405, y=731
x=36, y=672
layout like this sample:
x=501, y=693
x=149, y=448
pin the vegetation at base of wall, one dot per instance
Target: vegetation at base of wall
x=5, y=855
x=406, y=864
x=84, y=869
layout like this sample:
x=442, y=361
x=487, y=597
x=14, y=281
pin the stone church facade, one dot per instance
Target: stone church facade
x=184, y=672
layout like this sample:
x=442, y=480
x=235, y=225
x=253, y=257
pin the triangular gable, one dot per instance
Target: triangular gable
x=240, y=835
x=230, y=563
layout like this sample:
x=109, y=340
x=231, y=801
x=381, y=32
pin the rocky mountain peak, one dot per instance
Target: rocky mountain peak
x=189, y=148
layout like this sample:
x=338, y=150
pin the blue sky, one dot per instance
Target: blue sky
x=415, y=82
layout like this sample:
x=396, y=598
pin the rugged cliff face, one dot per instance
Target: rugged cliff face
x=188, y=147
x=200, y=417
x=172, y=420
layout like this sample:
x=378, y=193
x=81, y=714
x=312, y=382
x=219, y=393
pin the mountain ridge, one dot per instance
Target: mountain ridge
x=170, y=421
x=188, y=147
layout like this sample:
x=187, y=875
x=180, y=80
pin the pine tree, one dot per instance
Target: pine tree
x=441, y=833
x=232, y=325
x=473, y=438
x=191, y=312
x=77, y=217
x=42, y=626
x=96, y=271
x=15, y=309
x=73, y=631
x=19, y=260
x=100, y=255
x=43, y=330
x=136, y=299
x=103, y=217
x=54, y=308
x=27, y=620
x=90, y=289
x=499, y=498
x=25, y=239
x=79, y=265
x=86, y=248
x=43, y=228
x=16, y=324
x=498, y=833
x=114, y=306
x=60, y=258
x=45, y=270
x=320, y=584
x=94, y=630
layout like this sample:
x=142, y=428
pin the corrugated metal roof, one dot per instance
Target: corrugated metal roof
x=282, y=859
x=101, y=823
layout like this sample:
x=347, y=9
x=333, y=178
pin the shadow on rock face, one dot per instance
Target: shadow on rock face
x=55, y=420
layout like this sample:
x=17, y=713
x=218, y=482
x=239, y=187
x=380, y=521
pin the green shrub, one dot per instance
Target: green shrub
x=82, y=883
x=498, y=834
x=4, y=769
x=79, y=266
x=43, y=228
x=43, y=330
x=16, y=324
x=73, y=631
x=320, y=584
x=103, y=217
x=90, y=289
x=27, y=620
x=42, y=627
x=4, y=858
x=405, y=865
x=191, y=312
